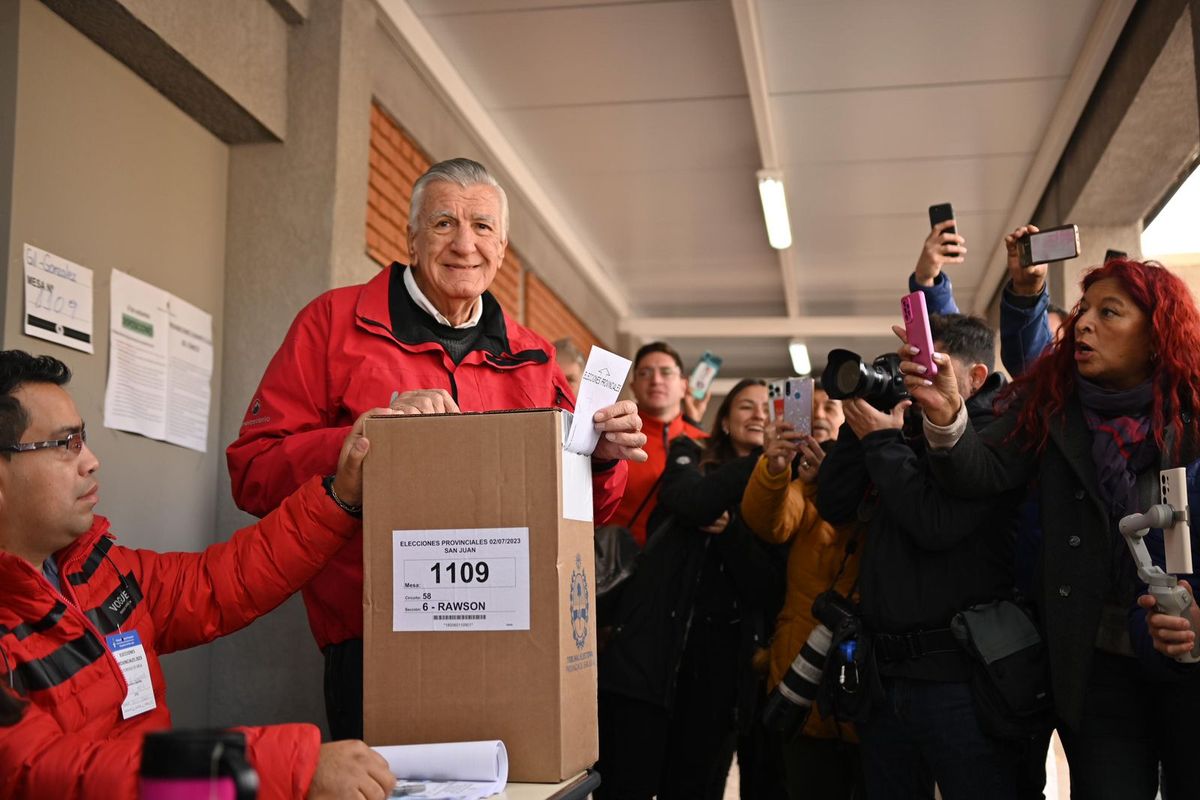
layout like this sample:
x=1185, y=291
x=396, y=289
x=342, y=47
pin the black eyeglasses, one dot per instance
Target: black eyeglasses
x=73, y=444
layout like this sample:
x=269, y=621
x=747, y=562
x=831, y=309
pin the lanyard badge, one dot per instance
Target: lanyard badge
x=127, y=649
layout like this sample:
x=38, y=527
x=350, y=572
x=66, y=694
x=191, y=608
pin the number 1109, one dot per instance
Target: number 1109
x=460, y=571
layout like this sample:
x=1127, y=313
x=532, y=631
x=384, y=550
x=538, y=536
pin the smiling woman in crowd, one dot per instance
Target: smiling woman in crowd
x=703, y=600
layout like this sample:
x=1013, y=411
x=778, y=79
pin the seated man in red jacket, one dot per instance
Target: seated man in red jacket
x=428, y=338
x=66, y=588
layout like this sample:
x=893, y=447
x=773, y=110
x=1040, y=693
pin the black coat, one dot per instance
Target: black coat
x=927, y=554
x=656, y=608
x=1074, y=573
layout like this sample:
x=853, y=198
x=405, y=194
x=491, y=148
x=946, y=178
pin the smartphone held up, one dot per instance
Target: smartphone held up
x=942, y=212
x=791, y=399
x=1052, y=244
x=916, y=330
x=702, y=377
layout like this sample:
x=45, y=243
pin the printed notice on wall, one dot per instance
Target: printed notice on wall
x=58, y=300
x=160, y=363
x=472, y=579
x=189, y=374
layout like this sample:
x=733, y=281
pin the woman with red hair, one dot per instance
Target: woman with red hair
x=1088, y=427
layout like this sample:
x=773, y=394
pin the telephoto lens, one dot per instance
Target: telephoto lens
x=880, y=383
x=790, y=703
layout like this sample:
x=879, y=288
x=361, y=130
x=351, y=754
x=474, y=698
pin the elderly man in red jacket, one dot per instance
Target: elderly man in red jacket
x=429, y=338
x=70, y=599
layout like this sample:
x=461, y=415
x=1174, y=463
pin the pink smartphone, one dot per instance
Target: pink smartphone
x=916, y=330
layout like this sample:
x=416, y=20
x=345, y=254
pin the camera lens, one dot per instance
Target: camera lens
x=848, y=377
x=880, y=383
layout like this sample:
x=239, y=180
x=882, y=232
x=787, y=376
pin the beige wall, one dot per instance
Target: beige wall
x=109, y=174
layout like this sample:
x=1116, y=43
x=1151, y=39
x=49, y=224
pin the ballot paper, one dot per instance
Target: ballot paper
x=601, y=384
x=449, y=771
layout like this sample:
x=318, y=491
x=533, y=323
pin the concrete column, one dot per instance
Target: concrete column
x=297, y=221
x=1094, y=241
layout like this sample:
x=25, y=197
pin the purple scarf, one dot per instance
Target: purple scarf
x=1121, y=442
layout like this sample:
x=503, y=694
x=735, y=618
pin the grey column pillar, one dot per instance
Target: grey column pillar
x=297, y=227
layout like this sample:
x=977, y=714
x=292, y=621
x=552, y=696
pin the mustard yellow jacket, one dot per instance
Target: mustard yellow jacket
x=781, y=510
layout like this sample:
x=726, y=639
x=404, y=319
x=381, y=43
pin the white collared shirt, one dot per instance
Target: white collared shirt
x=429, y=308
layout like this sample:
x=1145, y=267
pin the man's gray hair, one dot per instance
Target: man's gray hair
x=463, y=172
x=567, y=351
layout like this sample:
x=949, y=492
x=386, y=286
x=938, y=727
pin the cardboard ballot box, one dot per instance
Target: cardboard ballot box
x=478, y=594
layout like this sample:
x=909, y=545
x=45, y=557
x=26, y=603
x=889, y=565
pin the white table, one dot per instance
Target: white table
x=576, y=788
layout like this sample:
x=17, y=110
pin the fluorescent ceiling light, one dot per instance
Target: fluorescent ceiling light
x=800, y=361
x=770, y=189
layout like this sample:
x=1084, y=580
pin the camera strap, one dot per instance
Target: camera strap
x=849, y=549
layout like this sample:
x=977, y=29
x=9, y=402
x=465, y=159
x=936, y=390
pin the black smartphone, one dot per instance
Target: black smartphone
x=941, y=213
x=1110, y=254
x=1052, y=244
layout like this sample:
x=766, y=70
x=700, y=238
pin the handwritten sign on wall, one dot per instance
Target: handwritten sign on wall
x=58, y=300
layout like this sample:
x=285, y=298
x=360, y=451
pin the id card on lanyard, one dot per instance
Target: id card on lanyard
x=127, y=649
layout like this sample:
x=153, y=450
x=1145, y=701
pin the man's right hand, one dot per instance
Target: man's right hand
x=940, y=248
x=1025, y=280
x=425, y=401
x=350, y=769
x=864, y=419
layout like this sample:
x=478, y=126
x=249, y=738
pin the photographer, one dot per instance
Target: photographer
x=821, y=759
x=926, y=557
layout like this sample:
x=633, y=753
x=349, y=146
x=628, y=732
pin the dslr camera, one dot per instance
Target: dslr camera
x=880, y=383
x=790, y=703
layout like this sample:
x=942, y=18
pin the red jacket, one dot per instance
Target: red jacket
x=345, y=355
x=72, y=741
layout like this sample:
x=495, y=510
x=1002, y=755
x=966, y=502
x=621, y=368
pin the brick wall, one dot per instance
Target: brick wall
x=550, y=317
x=396, y=161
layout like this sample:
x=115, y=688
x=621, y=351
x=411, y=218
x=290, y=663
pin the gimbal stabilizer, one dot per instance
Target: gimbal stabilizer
x=1169, y=596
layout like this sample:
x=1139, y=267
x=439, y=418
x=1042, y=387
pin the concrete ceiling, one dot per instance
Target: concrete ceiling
x=643, y=122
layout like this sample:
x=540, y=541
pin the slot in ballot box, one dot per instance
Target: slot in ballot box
x=478, y=596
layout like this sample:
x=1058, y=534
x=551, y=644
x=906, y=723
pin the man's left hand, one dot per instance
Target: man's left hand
x=621, y=434
x=864, y=418
x=694, y=409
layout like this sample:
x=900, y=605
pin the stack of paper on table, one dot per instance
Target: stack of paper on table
x=449, y=771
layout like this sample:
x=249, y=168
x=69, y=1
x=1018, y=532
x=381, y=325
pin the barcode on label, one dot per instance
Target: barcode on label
x=460, y=616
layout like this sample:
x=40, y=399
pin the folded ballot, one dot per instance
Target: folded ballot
x=449, y=771
x=601, y=384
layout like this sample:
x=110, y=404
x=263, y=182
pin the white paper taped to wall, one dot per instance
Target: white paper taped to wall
x=58, y=300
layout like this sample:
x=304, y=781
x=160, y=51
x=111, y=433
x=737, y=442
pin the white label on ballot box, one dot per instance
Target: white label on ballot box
x=472, y=579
